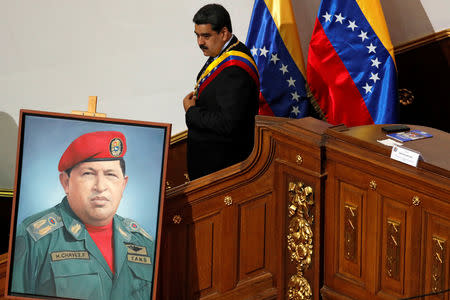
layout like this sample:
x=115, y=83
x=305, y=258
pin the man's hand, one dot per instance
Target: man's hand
x=189, y=101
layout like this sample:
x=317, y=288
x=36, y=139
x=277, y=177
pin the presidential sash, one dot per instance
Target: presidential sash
x=227, y=59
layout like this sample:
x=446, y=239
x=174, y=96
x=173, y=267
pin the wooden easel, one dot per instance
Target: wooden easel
x=92, y=109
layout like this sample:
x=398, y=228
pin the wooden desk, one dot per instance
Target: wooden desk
x=387, y=228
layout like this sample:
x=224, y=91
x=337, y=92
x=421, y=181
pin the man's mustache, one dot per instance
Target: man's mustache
x=203, y=47
x=98, y=197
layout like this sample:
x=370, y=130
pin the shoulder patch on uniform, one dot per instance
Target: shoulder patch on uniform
x=133, y=226
x=146, y=234
x=125, y=235
x=75, y=228
x=43, y=226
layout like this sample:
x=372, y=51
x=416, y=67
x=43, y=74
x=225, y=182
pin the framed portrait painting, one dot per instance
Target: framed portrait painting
x=87, y=209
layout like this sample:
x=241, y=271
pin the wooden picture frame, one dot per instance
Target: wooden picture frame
x=45, y=260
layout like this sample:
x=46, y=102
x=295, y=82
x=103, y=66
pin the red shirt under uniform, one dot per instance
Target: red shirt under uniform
x=103, y=238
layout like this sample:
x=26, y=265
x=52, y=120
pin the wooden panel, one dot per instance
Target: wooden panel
x=252, y=236
x=174, y=264
x=437, y=256
x=227, y=249
x=3, y=266
x=393, y=247
x=346, y=253
x=200, y=258
x=176, y=161
x=297, y=155
x=400, y=240
x=351, y=200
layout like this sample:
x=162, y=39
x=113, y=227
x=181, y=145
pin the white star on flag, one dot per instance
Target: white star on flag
x=371, y=48
x=352, y=25
x=339, y=18
x=254, y=51
x=368, y=88
x=295, y=96
x=295, y=110
x=263, y=51
x=327, y=17
x=291, y=81
x=274, y=58
x=363, y=36
x=375, y=62
x=374, y=77
x=284, y=68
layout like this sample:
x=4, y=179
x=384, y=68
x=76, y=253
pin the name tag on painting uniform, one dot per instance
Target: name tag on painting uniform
x=64, y=255
x=140, y=259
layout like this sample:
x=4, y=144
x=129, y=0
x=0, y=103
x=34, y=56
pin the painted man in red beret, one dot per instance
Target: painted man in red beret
x=80, y=248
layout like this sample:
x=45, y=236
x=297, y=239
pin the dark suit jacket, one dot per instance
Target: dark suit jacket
x=221, y=124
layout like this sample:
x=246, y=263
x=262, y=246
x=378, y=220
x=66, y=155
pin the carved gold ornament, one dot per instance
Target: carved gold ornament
x=351, y=232
x=176, y=219
x=438, y=264
x=300, y=238
x=168, y=185
x=228, y=200
x=416, y=201
x=393, y=255
x=299, y=159
x=186, y=177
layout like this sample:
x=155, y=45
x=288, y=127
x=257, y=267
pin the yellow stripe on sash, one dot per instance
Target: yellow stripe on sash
x=224, y=56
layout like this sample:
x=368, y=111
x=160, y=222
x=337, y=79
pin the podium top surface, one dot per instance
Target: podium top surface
x=435, y=150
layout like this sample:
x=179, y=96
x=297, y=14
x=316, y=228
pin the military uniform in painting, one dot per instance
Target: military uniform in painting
x=55, y=256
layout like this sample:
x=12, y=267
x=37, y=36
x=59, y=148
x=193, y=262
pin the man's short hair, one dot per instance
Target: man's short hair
x=214, y=14
x=121, y=160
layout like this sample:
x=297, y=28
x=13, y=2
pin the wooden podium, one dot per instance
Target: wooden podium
x=380, y=228
x=232, y=234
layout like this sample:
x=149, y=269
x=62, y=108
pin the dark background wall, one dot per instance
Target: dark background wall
x=423, y=70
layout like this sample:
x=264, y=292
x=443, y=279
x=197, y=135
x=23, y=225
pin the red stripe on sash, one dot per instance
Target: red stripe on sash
x=233, y=62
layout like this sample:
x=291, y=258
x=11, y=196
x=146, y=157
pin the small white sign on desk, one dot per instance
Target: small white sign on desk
x=405, y=155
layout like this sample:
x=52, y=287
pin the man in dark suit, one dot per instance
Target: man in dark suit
x=220, y=113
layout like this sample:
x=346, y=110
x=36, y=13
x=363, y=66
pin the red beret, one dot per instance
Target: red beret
x=96, y=145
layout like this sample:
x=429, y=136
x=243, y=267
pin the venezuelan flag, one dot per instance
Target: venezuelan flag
x=351, y=67
x=274, y=43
